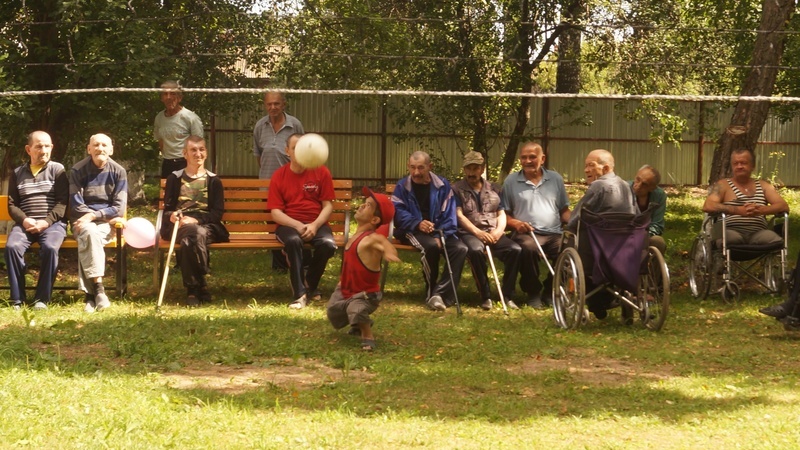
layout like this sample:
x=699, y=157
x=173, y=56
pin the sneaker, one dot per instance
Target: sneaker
x=777, y=311
x=535, y=302
x=39, y=306
x=16, y=306
x=300, y=303
x=316, y=295
x=435, y=303
x=487, y=304
x=89, y=307
x=511, y=305
x=101, y=301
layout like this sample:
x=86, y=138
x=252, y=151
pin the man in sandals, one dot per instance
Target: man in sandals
x=358, y=293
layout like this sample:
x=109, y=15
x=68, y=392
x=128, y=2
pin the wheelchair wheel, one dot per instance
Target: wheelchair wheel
x=730, y=292
x=654, y=291
x=699, y=269
x=773, y=274
x=569, y=290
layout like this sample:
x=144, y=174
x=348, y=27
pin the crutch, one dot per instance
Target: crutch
x=175, y=227
x=426, y=269
x=496, y=280
x=450, y=270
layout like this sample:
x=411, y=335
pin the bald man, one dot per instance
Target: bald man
x=98, y=194
x=607, y=193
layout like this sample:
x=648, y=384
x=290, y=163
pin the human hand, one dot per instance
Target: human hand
x=426, y=226
x=523, y=227
x=309, y=231
x=79, y=223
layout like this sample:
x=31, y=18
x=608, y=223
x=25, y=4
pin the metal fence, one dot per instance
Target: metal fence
x=366, y=145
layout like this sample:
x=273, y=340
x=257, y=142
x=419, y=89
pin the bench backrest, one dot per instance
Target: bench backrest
x=246, y=206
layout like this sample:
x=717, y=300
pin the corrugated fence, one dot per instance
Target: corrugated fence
x=366, y=145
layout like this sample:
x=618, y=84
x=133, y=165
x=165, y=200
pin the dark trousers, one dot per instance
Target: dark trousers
x=456, y=252
x=19, y=241
x=324, y=247
x=529, y=261
x=505, y=250
x=171, y=165
x=192, y=255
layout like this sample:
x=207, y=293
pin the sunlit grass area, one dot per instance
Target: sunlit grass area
x=248, y=372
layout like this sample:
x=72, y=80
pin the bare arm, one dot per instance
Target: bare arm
x=498, y=231
x=465, y=223
x=777, y=204
x=716, y=197
x=565, y=213
x=518, y=225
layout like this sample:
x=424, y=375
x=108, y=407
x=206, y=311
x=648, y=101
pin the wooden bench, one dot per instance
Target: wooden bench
x=389, y=190
x=118, y=244
x=250, y=223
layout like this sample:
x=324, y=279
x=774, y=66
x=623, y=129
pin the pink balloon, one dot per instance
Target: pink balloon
x=139, y=233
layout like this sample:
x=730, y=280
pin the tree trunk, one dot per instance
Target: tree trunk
x=522, y=53
x=568, y=73
x=749, y=117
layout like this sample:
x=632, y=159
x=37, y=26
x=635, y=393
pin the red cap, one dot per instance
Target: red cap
x=385, y=205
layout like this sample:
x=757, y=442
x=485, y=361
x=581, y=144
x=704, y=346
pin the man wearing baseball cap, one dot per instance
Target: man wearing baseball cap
x=358, y=293
x=481, y=224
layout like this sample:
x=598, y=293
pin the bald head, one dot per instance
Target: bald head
x=598, y=163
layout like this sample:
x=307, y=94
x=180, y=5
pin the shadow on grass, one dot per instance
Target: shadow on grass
x=481, y=366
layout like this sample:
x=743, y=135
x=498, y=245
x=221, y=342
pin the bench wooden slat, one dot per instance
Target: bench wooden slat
x=251, y=225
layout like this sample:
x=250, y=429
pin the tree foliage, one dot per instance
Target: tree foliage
x=462, y=45
x=68, y=44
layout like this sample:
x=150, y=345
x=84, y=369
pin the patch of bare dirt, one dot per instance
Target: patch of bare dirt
x=584, y=366
x=300, y=375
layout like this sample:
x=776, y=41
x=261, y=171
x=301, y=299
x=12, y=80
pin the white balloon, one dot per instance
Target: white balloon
x=139, y=233
x=311, y=151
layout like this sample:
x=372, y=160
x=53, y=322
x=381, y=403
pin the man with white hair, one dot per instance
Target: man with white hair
x=607, y=193
x=98, y=194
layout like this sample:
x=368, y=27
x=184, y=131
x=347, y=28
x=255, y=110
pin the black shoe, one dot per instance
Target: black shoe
x=203, y=295
x=791, y=323
x=778, y=311
x=600, y=313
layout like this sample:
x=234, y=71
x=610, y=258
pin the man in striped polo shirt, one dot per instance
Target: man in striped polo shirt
x=37, y=201
x=98, y=193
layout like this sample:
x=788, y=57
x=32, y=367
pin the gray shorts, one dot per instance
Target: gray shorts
x=352, y=311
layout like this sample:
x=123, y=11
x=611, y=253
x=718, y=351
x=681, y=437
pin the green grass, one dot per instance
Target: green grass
x=247, y=372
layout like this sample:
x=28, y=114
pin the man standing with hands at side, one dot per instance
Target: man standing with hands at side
x=172, y=126
x=38, y=193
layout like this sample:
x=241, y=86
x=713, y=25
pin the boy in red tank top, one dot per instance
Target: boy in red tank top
x=358, y=293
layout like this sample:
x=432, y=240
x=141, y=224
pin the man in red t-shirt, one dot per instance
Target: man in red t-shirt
x=301, y=201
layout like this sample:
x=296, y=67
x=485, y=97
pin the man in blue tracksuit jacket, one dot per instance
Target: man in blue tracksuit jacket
x=424, y=204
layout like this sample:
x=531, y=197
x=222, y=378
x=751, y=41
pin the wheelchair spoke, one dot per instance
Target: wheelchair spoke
x=654, y=291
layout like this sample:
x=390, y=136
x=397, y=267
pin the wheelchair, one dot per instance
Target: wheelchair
x=615, y=257
x=737, y=261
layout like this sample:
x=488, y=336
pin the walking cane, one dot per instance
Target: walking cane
x=175, y=227
x=496, y=280
x=544, y=257
x=450, y=270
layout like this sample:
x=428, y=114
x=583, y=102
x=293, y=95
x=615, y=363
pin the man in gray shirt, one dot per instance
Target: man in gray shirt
x=271, y=134
x=172, y=126
x=607, y=193
x=535, y=201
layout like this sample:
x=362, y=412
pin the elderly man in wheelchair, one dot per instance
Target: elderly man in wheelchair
x=736, y=236
x=605, y=260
